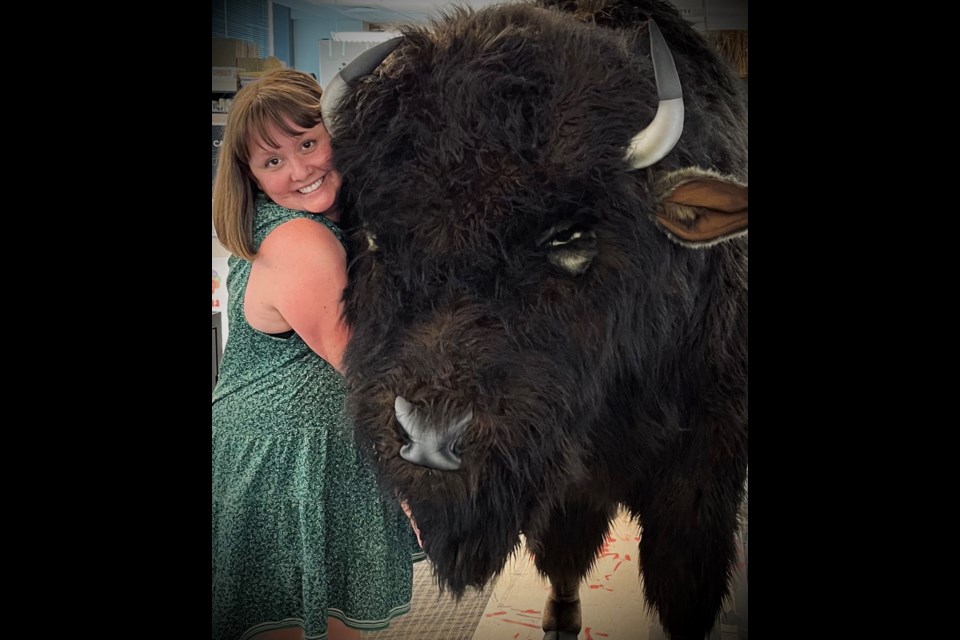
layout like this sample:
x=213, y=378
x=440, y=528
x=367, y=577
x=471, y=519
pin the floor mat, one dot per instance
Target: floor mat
x=434, y=616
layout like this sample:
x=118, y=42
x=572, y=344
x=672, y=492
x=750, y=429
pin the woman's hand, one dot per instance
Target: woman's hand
x=406, y=510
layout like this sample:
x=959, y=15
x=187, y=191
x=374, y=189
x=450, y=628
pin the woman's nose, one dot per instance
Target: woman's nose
x=298, y=169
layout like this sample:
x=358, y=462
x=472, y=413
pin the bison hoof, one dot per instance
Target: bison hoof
x=561, y=616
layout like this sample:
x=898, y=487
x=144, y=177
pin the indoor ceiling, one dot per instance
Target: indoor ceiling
x=719, y=14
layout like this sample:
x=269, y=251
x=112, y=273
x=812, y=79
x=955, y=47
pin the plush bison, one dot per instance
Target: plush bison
x=548, y=293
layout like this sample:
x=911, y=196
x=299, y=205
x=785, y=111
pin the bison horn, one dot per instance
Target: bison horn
x=359, y=66
x=429, y=445
x=656, y=141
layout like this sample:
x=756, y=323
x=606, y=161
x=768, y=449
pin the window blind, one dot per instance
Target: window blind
x=243, y=19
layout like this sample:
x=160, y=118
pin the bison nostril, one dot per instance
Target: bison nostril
x=429, y=445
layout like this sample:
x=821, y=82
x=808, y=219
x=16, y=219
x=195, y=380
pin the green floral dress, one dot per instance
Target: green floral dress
x=300, y=531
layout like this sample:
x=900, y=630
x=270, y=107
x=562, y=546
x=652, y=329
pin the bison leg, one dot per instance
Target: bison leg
x=687, y=553
x=564, y=553
x=561, y=612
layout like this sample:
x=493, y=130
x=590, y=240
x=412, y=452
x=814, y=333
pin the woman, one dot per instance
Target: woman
x=303, y=543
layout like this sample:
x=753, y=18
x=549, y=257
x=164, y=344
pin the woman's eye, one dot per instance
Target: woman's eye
x=272, y=162
x=309, y=144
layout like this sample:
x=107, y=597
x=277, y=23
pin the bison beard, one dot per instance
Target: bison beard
x=549, y=319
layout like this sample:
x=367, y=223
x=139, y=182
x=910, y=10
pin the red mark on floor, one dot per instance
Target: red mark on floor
x=589, y=635
x=535, y=615
x=626, y=557
x=497, y=613
x=529, y=611
x=525, y=624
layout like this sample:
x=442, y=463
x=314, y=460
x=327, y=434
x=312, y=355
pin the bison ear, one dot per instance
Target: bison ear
x=699, y=207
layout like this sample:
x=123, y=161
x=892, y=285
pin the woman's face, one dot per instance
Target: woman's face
x=299, y=174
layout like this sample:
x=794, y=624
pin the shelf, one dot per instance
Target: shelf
x=220, y=117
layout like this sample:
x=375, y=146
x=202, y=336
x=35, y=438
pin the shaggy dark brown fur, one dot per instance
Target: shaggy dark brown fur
x=506, y=259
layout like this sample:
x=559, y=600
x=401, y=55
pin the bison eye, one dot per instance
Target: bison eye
x=566, y=236
x=572, y=247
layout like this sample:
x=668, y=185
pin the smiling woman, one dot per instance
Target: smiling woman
x=291, y=492
x=294, y=168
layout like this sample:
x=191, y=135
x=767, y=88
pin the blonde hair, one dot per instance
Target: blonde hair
x=279, y=97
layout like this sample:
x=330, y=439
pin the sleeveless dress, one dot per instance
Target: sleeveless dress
x=300, y=530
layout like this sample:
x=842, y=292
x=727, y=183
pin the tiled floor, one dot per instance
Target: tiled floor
x=611, y=599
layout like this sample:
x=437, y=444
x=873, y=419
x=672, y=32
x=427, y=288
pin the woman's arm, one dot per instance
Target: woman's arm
x=297, y=282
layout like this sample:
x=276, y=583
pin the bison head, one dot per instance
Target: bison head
x=520, y=280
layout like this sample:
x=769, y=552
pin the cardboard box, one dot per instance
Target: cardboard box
x=250, y=64
x=226, y=51
x=226, y=78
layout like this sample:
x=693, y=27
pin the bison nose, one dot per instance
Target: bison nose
x=432, y=446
